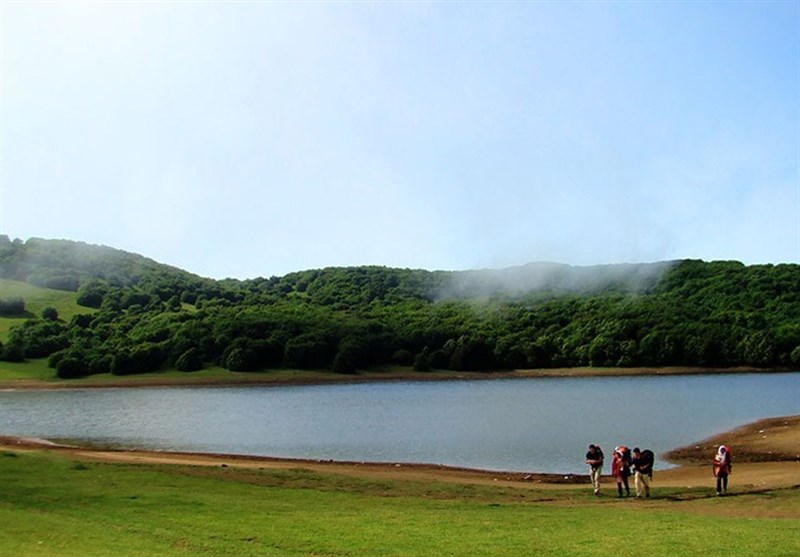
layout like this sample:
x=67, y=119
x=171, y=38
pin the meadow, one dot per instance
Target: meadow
x=36, y=299
x=54, y=503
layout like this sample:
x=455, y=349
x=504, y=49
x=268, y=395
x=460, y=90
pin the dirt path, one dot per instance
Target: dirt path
x=766, y=455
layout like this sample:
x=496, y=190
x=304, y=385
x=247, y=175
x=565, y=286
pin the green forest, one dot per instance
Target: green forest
x=138, y=316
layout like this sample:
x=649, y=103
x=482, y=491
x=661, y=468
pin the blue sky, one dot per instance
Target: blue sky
x=244, y=139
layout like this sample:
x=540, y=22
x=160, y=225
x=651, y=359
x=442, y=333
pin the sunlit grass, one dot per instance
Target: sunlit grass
x=36, y=299
x=52, y=505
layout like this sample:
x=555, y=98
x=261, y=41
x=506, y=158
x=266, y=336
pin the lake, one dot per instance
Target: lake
x=542, y=424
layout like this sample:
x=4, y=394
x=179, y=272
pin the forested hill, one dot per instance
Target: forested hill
x=142, y=316
x=68, y=265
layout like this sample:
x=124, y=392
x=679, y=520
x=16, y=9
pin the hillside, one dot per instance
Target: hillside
x=36, y=300
x=129, y=314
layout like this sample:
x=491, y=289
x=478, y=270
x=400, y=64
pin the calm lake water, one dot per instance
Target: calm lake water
x=506, y=424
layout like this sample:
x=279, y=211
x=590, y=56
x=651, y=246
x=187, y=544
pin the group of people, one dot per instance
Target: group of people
x=642, y=463
x=622, y=461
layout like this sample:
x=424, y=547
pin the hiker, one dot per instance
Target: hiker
x=642, y=471
x=594, y=458
x=620, y=469
x=722, y=468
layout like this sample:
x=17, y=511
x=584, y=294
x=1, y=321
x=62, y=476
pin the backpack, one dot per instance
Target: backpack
x=650, y=458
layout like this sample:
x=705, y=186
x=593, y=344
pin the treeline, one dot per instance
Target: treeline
x=146, y=316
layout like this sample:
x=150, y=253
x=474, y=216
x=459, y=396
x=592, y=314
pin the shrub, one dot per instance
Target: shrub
x=795, y=357
x=12, y=306
x=403, y=357
x=343, y=363
x=55, y=358
x=13, y=352
x=307, y=351
x=422, y=361
x=71, y=367
x=100, y=363
x=237, y=360
x=91, y=294
x=189, y=361
x=50, y=314
x=142, y=359
x=82, y=320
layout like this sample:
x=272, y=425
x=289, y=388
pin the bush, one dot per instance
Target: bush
x=100, y=363
x=438, y=359
x=44, y=279
x=422, y=361
x=50, y=314
x=91, y=294
x=307, y=351
x=142, y=359
x=189, y=361
x=403, y=357
x=237, y=360
x=12, y=307
x=342, y=363
x=71, y=367
x=55, y=358
x=795, y=357
x=14, y=352
x=82, y=320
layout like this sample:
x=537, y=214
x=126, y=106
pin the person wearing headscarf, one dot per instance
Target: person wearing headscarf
x=722, y=468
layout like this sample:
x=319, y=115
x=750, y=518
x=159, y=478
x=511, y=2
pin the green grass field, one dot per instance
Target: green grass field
x=36, y=299
x=52, y=505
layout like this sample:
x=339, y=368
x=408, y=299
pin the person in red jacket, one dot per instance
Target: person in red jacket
x=620, y=469
x=722, y=468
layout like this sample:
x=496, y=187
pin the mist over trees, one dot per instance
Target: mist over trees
x=142, y=316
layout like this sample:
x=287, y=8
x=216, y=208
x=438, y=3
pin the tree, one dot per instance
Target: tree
x=139, y=359
x=343, y=363
x=422, y=361
x=72, y=367
x=795, y=356
x=403, y=357
x=189, y=360
x=237, y=360
x=14, y=352
x=50, y=314
x=92, y=293
x=307, y=351
x=12, y=306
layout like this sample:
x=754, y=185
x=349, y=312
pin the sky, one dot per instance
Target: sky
x=247, y=139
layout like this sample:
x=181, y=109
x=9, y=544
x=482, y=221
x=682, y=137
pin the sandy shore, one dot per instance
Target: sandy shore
x=766, y=455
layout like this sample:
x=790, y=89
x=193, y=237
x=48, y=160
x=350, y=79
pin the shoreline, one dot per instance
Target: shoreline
x=267, y=378
x=766, y=455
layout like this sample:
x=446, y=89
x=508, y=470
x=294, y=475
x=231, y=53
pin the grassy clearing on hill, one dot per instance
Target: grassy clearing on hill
x=36, y=299
x=52, y=504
